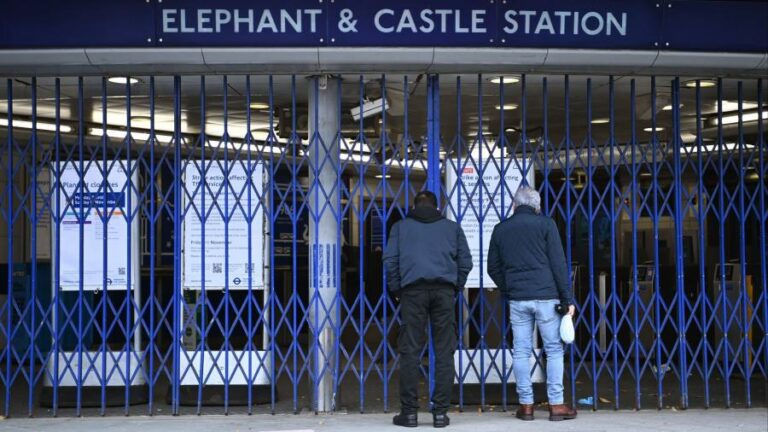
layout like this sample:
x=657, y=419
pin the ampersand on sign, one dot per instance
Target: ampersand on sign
x=346, y=23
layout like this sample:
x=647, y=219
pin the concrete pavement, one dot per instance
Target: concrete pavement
x=753, y=420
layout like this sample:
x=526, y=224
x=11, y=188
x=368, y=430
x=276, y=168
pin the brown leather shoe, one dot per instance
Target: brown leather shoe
x=525, y=412
x=561, y=412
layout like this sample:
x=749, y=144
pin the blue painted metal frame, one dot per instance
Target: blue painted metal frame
x=703, y=338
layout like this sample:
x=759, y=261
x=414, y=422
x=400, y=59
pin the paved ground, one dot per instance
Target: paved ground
x=754, y=420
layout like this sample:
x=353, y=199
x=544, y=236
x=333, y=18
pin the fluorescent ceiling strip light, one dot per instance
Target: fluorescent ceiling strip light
x=123, y=80
x=357, y=158
x=507, y=79
x=41, y=126
x=710, y=148
x=136, y=135
x=733, y=119
x=703, y=83
x=357, y=146
x=729, y=105
x=418, y=165
x=270, y=149
x=668, y=107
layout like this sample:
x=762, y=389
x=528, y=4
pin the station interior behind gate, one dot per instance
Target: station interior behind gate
x=657, y=185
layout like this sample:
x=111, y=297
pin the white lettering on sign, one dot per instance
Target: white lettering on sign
x=591, y=23
x=423, y=21
x=203, y=18
x=392, y=21
x=223, y=16
x=545, y=23
x=244, y=20
x=267, y=22
x=377, y=20
x=169, y=18
x=428, y=23
x=406, y=21
x=240, y=20
x=478, y=19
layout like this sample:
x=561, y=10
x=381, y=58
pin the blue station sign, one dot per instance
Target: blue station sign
x=698, y=25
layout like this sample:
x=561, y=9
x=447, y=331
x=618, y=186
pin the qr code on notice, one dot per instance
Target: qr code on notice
x=121, y=271
x=248, y=267
x=217, y=268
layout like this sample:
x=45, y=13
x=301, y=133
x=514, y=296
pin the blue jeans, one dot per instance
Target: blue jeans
x=522, y=316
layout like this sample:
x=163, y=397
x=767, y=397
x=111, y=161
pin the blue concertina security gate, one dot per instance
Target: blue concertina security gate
x=201, y=244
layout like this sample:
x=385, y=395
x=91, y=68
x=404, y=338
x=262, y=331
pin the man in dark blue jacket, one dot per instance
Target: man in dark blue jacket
x=427, y=261
x=526, y=261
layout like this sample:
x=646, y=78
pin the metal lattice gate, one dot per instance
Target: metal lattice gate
x=171, y=243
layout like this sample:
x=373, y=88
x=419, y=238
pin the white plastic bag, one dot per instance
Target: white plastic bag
x=567, y=333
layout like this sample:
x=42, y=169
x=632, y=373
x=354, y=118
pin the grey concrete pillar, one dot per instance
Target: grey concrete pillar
x=324, y=235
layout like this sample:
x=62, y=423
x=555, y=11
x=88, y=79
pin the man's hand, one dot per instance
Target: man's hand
x=571, y=310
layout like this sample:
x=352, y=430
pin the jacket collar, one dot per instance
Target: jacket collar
x=524, y=209
x=425, y=214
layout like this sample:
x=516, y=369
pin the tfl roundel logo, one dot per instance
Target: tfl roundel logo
x=236, y=281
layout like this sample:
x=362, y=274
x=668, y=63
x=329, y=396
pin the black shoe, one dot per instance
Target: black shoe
x=440, y=420
x=405, y=420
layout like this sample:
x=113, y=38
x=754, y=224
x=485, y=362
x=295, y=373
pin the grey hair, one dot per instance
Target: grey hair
x=528, y=196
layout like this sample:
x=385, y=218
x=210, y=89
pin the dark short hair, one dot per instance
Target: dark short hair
x=425, y=198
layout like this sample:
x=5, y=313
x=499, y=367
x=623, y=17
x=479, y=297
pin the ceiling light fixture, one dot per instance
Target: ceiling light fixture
x=668, y=107
x=729, y=105
x=265, y=126
x=507, y=107
x=734, y=118
x=703, y=83
x=120, y=134
x=354, y=157
x=709, y=148
x=138, y=119
x=357, y=147
x=123, y=80
x=651, y=129
x=688, y=137
x=474, y=133
x=601, y=120
x=507, y=79
x=259, y=105
x=41, y=126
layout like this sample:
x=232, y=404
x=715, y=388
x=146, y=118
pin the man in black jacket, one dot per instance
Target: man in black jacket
x=526, y=261
x=427, y=261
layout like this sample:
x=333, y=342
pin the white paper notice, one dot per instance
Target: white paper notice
x=84, y=208
x=466, y=202
x=226, y=253
x=43, y=232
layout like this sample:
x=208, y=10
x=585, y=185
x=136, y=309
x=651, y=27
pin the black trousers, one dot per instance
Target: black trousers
x=418, y=305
